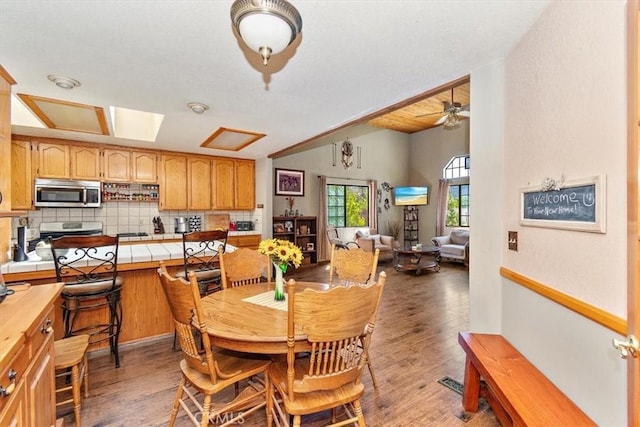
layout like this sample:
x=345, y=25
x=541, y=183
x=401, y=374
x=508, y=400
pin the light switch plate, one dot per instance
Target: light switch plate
x=513, y=241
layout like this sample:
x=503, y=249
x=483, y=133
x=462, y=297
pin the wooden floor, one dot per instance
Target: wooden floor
x=414, y=345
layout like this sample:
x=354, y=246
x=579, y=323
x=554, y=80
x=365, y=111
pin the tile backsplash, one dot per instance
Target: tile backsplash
x=126, y=217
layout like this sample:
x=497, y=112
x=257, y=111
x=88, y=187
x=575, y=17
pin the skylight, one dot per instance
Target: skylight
x=134, y=124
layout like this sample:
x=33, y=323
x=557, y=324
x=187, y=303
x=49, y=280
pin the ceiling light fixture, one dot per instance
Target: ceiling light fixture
x=266, y=26
x=63, y=82
x=453, y=121
x=198, y=107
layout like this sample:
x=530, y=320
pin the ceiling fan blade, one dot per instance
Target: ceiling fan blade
x=428, y=114
x=464, y=113
x=442, y=119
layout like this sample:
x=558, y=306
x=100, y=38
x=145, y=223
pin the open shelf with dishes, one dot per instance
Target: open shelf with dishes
x=302, y=230
x=125, y=192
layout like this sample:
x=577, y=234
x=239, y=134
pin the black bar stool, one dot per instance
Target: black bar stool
x=200, y=250
x=88, y=266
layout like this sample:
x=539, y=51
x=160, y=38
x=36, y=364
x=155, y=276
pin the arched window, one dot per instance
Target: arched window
x=457, y=172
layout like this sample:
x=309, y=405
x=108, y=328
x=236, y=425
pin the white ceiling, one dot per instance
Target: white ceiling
x=353, y=58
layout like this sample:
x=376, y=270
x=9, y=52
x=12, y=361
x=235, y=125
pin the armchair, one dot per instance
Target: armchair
x=454, y=247
x=369, y=240
x=334, y=239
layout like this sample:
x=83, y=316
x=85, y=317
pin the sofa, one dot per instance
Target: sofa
x=454, y=247
x=369, y=240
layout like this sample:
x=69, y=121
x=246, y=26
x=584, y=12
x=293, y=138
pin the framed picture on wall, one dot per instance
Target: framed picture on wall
x=289, y=182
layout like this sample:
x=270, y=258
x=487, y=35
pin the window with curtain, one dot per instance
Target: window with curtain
x=458, y=172
x=347, y=205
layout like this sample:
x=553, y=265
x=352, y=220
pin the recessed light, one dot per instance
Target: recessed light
x=63, y=82
x=198, y=107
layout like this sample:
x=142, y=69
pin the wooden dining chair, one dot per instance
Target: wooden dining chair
x=201, y=251
x=334, y=321
x=244, y=267
x=354, y=266
x=204, y=370
x=88, y=266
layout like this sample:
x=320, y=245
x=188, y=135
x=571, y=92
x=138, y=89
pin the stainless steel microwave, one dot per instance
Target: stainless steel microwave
x=61, y=193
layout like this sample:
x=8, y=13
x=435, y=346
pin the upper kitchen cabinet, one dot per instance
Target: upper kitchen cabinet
x=52, y=160
x=21, y=173
x=234, y=184
x=223, y=177
x=199, y=183
x=116, y=165
x=245, y=184
x=85, y=163
x=173, y=185
x=144, y=167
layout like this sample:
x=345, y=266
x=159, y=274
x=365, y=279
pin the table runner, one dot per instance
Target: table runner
x=265, y=299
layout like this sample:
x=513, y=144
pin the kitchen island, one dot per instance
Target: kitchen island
x=146, y=313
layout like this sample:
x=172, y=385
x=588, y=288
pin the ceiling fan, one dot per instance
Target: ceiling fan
x=451, y=113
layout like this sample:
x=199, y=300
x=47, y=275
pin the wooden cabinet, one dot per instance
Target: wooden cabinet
x=27, y=355
x=5, y=161
x=250, y=241
x=173, y=186
x=52, y=160
x=144, y=167
x=223, y=177
x=21, y=173
x=85, y=162
x=116, y=165
x=245, y=184
x=234, y=184
x=302, y=230
x=199, y=183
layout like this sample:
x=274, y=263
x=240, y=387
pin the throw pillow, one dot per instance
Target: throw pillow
x=376, y=239
x=362, y=233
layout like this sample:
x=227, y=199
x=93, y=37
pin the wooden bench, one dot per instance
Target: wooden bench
x=517, y=392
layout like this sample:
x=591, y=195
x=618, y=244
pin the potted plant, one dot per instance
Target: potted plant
x=394, y=231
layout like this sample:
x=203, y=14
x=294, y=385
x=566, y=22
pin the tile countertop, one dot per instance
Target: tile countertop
x=143, y=252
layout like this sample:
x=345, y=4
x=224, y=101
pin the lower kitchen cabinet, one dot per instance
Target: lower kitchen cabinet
x=26, y=364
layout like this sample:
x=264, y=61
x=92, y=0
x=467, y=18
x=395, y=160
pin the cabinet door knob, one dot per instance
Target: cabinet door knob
x=7, y=391
x=46, y=328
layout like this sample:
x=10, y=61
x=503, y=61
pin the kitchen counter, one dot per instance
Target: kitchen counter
x=146, y=313
x=168, y=247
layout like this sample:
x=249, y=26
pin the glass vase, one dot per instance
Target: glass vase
x=279, y=281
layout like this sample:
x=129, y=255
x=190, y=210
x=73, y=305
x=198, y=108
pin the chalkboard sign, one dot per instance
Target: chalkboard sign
x=578, y=205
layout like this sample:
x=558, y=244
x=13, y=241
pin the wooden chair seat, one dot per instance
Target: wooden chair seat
x=315, y=401
x=70, y=359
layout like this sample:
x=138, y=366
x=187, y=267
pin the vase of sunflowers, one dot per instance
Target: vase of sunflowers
x=282, y=254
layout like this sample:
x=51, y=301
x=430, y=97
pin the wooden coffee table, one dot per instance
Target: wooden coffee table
x=407, y=259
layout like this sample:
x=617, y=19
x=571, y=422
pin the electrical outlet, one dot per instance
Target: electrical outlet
x=513, y=241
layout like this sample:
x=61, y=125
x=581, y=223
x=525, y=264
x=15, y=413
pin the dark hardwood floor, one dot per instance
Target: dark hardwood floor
x=414, y=345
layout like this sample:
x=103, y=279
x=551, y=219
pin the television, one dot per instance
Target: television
x=410, y=196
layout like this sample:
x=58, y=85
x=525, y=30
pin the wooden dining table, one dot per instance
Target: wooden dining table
x=245, y=318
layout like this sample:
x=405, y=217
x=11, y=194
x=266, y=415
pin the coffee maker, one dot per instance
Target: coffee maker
x=180, y=224
x=19, y=250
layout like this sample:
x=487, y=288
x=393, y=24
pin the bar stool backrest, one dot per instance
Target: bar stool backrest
x=201, y=248
x=81, y=260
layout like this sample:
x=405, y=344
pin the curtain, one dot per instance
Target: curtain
x=373, y=201
x=441, y=215
x=322, y=220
